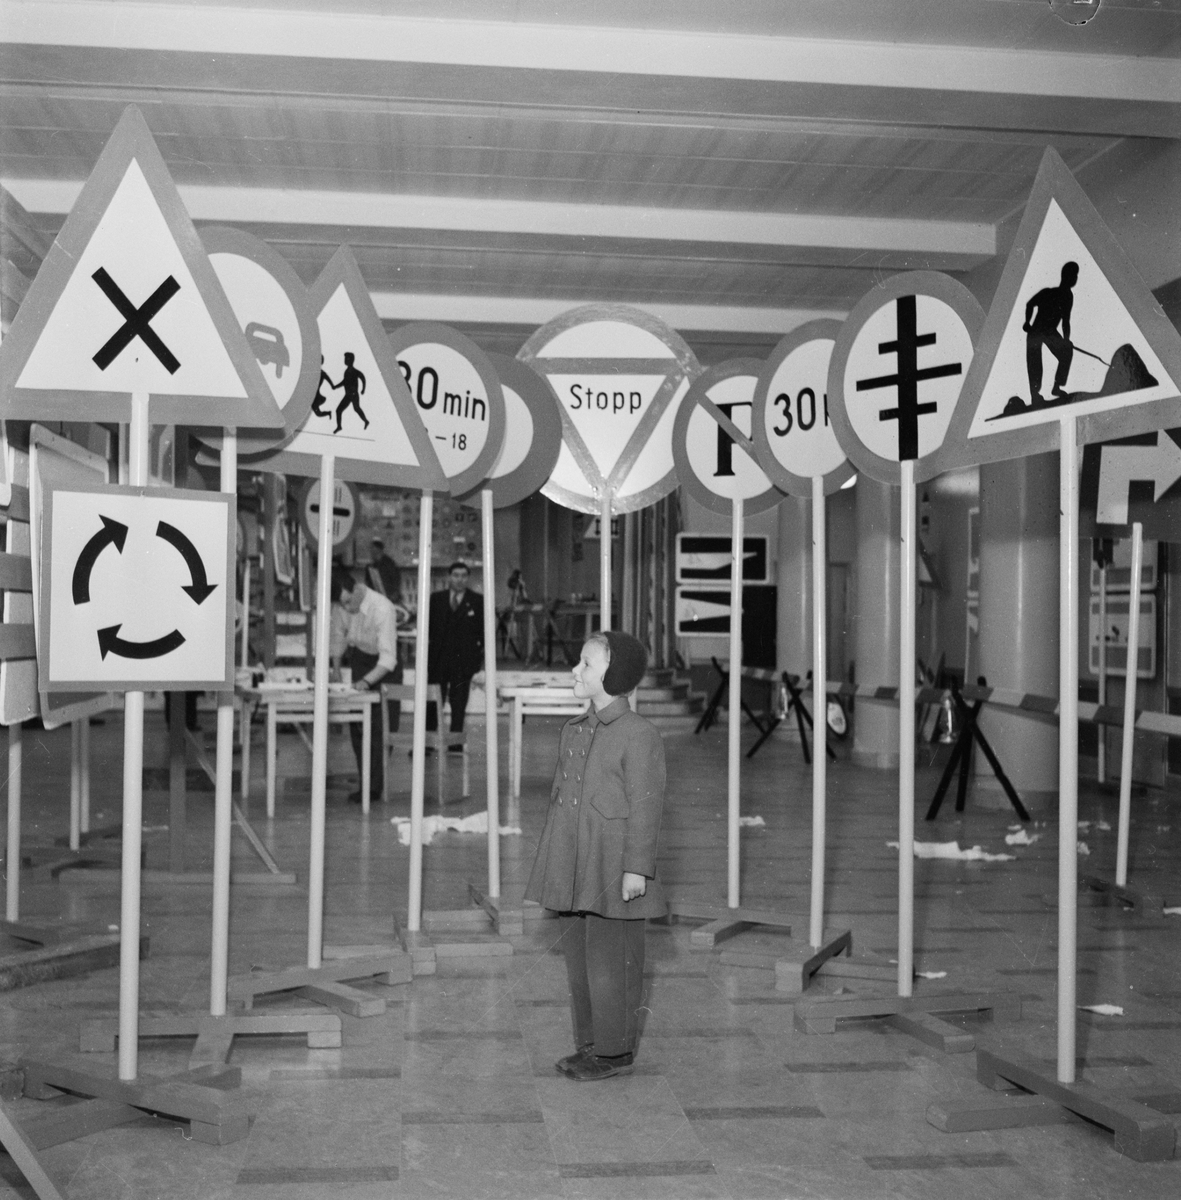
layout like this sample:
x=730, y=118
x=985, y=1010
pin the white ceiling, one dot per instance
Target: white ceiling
x=734, y=167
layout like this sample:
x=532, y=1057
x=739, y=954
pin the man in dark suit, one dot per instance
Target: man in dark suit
x=456, y=644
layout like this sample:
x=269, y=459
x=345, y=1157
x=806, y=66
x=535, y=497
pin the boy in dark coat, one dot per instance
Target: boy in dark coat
x=596, y=862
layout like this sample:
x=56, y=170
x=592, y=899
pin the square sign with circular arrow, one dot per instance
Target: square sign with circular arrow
x=136, y=589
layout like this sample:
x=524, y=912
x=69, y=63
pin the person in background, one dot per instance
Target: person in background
x=455, y=650
x=596, y=860
x=383, y=574
x=371, y=651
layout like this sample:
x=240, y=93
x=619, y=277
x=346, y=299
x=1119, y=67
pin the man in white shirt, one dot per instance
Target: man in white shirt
x=371, y=650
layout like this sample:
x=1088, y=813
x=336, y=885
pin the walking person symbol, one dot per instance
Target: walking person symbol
x=352, y=397
x=1053, y=306
x=320, y=400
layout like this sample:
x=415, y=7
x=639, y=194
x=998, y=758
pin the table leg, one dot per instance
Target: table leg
x=366, y=765
x=518, y=739
x=271, y=753
x=244, y=737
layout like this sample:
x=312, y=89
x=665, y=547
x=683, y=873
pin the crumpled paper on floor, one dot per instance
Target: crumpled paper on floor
x=952, y=850
x=476, y=823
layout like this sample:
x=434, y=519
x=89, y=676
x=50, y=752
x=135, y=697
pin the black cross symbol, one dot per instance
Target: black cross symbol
x=907, y=378
x=136, y=322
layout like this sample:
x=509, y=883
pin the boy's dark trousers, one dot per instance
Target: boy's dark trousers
x=362, y=664
x=605, y=969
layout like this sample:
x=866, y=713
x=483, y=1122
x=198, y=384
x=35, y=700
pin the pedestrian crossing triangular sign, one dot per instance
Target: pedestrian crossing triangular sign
x=363, y=414
x=1073, y=331
x=127, y=301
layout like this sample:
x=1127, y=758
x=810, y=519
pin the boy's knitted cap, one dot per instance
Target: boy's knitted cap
x=629, y=661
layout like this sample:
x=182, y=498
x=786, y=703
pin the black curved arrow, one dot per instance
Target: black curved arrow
x=112, y=533
x=200, y=588
x=109, y=642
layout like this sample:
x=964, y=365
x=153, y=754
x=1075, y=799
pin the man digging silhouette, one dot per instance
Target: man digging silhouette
x=1053, y=306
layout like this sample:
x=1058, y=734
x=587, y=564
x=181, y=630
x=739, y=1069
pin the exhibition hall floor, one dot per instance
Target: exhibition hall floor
x=452, y=1093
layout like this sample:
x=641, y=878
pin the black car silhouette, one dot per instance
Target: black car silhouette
x=268, y=346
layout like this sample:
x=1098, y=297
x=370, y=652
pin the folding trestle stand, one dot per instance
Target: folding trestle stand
x=803, y=719
x=961, y=757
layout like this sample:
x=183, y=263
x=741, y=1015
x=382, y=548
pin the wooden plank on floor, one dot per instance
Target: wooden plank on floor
x=245, y=987
x=819, y=1014
x=794, y=970
x=934, y=1032
x=1141, y=1133
x=348, y=1000
x=77, y=1120
x=995, y=1112
x=61, y=960
x=855, y=966
x=193, y=1102
x=23, y=1153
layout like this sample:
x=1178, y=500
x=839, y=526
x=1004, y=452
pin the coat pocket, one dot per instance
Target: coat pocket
x=612, y=805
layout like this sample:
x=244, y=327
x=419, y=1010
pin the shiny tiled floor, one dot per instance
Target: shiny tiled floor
x=452, y=1093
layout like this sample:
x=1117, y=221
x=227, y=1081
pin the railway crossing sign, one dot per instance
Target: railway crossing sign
x=127, y=301
x=344, y=512
x=136, y=589
x=619, y=376
x=712, y=446
x=532, y=435
x=794, y=436
x=363, y=414
x=275, y=315
x=897, y=369
x=458, y=397
x=1072, y=331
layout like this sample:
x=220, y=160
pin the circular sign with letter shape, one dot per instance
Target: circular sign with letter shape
x=619, y=375
x=344, y=511
x=458, y=397
x=272, y=307
x=712, y=446
x=792, y=430
x=897, y=370
x=532, y=435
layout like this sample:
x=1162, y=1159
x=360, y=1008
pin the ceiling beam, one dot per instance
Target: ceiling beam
x=375, y=37
x=486, y=215
x=533, y=312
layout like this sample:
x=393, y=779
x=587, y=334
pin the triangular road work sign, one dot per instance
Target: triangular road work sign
x=363, y=414
x=619, y=376
x=127, y=301
x=1072, y=331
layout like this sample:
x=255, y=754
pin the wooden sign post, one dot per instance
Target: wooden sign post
x=373, y=436
x=271, y=306
x=460, y=402
x=528, y=452
x=1070, y=302
x=619, y=376
x=797, y=447
x=126, y=320
x=717, y=465
x=897, y=368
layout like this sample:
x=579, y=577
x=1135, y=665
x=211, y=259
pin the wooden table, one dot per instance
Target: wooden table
x=534, y=701
x=294, y=705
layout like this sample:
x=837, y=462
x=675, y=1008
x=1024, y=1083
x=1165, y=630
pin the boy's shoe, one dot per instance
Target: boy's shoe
x=596, y=1067
x=563, y=1065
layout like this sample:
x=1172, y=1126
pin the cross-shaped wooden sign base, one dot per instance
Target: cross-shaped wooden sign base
x=215, y=1035
x=1141, y=1125
x=914, y=1015
x=198, y=1097
x=326, y=984
x=1094, y=890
